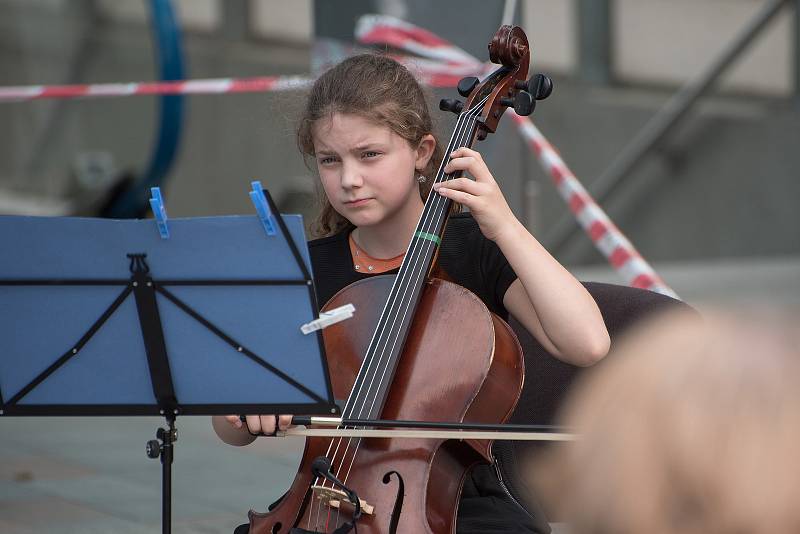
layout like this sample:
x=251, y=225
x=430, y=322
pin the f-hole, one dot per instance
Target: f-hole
x=398, y=500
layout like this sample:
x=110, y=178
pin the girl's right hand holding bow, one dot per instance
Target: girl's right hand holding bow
x=266, y=425
x=242, y=430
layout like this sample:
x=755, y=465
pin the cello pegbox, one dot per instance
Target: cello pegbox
x=509, y=47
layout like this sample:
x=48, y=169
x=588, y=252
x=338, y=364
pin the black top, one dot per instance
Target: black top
x=468, y=258
x=477, y=263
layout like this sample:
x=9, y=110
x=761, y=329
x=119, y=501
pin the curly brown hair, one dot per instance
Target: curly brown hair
x=381, y=90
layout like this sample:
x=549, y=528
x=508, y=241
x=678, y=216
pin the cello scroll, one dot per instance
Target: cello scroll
x=507, y=86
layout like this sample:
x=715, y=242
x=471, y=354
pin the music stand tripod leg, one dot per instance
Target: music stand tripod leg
x=164, y=449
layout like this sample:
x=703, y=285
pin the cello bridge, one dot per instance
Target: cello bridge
x=336, y=498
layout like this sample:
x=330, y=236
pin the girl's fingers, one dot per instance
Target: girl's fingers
x=458, y=196
x=234, y=420
x=284, y=422
x=464, y=151
x=261, y=424
x=253, y=423
x=461, y=184
x=466, y=159
x=268, y=424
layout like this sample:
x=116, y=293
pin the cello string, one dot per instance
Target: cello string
x=398, y=294
x=426, y=246
x=424, y=223
x=381, y=332
x=411, y=266
x=412, y=246
x=464, y=118
x=365, y=367
x=396, y=289
x=423, y=226
x=319, y=509
x=370, y=359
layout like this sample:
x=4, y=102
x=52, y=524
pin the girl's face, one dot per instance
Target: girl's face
x=368, y=172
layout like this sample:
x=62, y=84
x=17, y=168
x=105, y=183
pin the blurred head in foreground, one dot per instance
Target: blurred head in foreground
x=692, y=426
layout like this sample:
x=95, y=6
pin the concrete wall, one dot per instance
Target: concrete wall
x=668, y=41
x=654, y=41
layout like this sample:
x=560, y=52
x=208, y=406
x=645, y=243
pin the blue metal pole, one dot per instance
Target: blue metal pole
x=134, y=201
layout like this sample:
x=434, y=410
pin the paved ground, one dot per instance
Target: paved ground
x=91, y=475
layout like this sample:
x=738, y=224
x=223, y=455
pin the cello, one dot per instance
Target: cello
x=396, y=361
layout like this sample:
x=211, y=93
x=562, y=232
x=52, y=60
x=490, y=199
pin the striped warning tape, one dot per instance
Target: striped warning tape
x=443, y=64
x=425, y=71
x=391, y=31
x=608, y=239
x=209, y=86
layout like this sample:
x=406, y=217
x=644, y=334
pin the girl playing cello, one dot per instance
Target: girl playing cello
x=367, y=128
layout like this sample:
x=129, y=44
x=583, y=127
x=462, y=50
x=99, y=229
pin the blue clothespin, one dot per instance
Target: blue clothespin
x=160, y=212
x=262, y=208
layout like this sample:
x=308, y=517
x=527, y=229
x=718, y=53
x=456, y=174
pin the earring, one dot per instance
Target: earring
x=421, y=178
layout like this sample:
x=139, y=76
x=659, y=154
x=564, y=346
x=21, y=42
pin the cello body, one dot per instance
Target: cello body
x=460, y=363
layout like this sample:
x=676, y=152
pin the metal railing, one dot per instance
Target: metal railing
x=670, y=115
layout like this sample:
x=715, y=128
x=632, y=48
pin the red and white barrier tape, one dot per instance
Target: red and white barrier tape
x=444, y=66
x=608, y=239
x=447, y=64
x=425, y=72
x=390, y=31
x=209, y=86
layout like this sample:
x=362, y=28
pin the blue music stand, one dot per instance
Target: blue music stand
x=122, y=317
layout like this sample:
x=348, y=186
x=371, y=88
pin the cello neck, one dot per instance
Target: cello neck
x=428, y=234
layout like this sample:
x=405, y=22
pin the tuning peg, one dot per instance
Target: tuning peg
x=467, y=85
x=541, y=85
x=524, y=103
x=449, y=104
